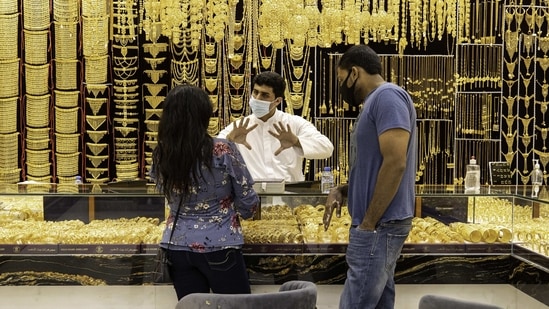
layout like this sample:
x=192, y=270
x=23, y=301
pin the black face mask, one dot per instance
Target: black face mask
x=348, y=93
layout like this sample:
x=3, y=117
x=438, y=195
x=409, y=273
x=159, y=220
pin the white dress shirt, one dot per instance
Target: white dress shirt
x=288, y=165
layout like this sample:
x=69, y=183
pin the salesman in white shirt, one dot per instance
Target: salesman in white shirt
x=274, y=143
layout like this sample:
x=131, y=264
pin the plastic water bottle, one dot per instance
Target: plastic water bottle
x=327, y=180
x=537, y=179
x=78, y=180
x=472, y=177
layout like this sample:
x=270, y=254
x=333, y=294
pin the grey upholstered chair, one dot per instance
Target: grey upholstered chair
x=444, y=302
x=292, y=294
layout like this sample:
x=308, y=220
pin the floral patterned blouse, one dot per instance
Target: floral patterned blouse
x=209, y=220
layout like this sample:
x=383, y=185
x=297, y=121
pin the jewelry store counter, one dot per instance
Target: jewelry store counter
x=98, y=236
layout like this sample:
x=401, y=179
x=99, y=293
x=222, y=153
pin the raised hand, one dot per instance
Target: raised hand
x=240, y=132
x=285, y=135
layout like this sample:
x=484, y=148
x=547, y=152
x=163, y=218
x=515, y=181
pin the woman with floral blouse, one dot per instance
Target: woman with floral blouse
x=207, y=180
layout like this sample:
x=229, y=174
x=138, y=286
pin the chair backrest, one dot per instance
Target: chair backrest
x=292, y=294
x=444, y=302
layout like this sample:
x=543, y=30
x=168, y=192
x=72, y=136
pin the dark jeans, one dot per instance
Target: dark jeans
x=371, y=257
x=222, y=272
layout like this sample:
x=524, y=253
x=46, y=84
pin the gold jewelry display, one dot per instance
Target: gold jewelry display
x=96, y=136
x=96, y=121
x=66, y=74
x=95, y=148
x=96, y=68
x=8, y=115
x=36, y=46
x=65, y=39
x=37, y=79
x=66, y=119
x=10, y=86
x=95, y=35
x=36, y=15
x=67, y=143
x=67, y=163
x=37, y=133
x=96, y=104
x=66, y=99
x=37, y=111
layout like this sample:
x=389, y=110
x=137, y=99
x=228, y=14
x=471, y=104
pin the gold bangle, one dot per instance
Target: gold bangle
x=67, y=163
x=67, y=142
x=36, y=15
x=36, y=46
x=37, y=110
x=37, y=133
x=37, y=79
x=65, y=40
x=66, y=99
x=8, y=115
x=66, y=119
x=8, y=35
x=96, y=68
x=66, y=74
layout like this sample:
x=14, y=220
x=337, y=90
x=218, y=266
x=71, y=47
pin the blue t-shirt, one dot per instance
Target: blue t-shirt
x=387, y=107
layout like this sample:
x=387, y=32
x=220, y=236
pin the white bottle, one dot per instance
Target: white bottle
x=472, y=177
x=327, y=180
x=78, y=180
x=537, y=179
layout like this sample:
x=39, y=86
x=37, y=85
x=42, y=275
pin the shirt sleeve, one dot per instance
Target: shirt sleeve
x=246, y=199
x=315, y=144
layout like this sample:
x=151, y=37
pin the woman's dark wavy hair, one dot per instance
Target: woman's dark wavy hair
x=184, y=144
x=362, y=56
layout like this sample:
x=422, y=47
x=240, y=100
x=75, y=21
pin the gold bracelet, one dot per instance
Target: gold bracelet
x=66, y=119
x=37, y=110
x=96, y=67
x=37, y=133
x=8, y=115
x=66, y=74
x=65, y=40
x=67, y=143
x=66, y=11
x=37, y=79
x=36, y=46
x=37, y=156
x=95, y=36
x=67, y=163
x=66, y=99
x=38, y=170
x=37, y=144
x=9, y=34
x=36, y=15
x=9, y=7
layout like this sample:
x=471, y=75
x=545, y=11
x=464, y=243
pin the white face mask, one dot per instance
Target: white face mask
x=259, y=108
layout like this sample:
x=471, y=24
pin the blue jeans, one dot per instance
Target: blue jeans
x=371, y=257
x=222, y=272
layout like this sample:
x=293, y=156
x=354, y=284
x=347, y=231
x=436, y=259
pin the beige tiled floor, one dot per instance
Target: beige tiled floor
x=163, y=297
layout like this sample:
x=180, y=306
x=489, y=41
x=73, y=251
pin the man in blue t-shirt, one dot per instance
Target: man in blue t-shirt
x=381, y=186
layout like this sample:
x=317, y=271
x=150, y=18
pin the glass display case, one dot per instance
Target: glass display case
x=108, y=234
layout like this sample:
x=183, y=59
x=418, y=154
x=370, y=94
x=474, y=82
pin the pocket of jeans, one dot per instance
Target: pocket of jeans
x=221, y=260
x=394, y=247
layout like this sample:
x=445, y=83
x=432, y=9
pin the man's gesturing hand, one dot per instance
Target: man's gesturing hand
x=240, y=132
x=285, y=136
